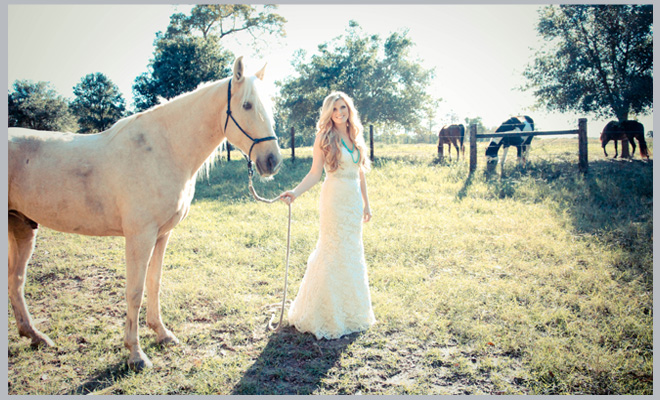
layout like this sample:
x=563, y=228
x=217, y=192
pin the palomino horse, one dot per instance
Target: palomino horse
x=629, y=130
x=522, y=143
x=452, y=135
x=136, y=180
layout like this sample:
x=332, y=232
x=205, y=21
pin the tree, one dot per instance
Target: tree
x=98, y=103
x=179, y=65
x=220, y=20
x=480, y=127
x=387, y=85
x=38, y=106
x=600, y=60
x=189, y=51
x=144, y=92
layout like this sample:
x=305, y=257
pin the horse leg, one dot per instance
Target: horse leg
x=524, y=152
x=21, y=238
x=632, y=144
x=139, y=249
x=458, y=156
x=506, y=150
x=154, y=321
x=616, y=149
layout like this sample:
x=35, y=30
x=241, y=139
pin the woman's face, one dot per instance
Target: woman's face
x=340, y=113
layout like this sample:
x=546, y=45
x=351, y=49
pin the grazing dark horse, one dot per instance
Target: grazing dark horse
x=522, y=143
x=452, y=135
x=629, y=130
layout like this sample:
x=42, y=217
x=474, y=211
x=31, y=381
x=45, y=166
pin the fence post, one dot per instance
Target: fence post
x=583, y=159
x=293, y=145
x=371, y=141
x=473, y=148
x=228, y=150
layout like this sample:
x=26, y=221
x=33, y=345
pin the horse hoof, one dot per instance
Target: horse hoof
x=138, y=361
x=169, y=339
x=41, y=340
x=139, y=365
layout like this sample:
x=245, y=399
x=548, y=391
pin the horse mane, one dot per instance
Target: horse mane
x=211, y=160
x=164, y=103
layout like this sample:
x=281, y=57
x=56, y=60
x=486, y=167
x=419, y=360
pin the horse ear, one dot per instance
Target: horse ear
x=238, y=69
x=261, y=72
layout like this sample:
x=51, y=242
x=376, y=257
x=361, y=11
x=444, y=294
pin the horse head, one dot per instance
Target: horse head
x=514, y=124
x=611, y=131
x=252, y=128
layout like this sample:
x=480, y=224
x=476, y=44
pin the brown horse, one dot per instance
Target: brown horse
x=452, y=135
x=629, y=130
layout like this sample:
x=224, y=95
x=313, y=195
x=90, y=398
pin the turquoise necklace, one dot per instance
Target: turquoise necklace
x=352, y=151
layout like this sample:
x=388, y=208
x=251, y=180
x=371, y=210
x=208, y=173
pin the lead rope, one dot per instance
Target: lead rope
x=288, y=248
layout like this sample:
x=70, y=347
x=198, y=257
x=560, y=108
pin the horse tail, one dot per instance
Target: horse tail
x=643, y=148
x=635, y=129
x=462, y=130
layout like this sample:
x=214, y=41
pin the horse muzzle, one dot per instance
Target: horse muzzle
x=269, y=164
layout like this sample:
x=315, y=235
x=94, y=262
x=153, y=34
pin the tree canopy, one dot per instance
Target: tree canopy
x=189, y=51
x=38, y=106
x=386, y=83
x=179, y=65
x=598, y=59
x=98, y=103
x=220, y=20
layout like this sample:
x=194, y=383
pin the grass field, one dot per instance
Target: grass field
x=537, y=283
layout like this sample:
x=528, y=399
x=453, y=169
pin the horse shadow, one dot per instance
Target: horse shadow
x=103, y=380
x=292, y=363
x=460, y=195
x=613, y=201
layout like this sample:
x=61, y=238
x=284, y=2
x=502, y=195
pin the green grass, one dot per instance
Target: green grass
x=537, y=283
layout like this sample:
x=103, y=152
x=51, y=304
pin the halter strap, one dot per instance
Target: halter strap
x=254, y=141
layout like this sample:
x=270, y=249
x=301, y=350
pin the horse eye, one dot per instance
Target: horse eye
x=247, y=105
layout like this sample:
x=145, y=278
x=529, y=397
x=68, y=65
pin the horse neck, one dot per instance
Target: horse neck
x=193, y=124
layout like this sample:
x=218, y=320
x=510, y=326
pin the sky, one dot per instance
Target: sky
x=478, y=51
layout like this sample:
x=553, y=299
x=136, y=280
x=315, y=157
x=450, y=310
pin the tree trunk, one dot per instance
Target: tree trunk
x=625, y=149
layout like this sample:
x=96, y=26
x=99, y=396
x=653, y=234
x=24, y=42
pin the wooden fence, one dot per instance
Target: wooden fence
x=581, y=131
x=293, y=145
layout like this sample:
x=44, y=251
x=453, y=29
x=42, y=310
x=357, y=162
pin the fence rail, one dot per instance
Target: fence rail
x=293, y=145
x=581, y=131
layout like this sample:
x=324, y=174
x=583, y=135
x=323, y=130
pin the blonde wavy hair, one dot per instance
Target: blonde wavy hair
x=330, y=139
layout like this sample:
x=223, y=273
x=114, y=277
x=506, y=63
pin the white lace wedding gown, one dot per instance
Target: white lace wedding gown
x=334, y=299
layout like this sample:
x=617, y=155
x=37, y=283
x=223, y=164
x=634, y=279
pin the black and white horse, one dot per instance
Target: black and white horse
x=522, y=143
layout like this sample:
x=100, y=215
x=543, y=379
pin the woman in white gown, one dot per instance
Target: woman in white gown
x=334, y=299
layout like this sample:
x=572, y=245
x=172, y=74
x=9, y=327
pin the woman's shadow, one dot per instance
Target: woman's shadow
x=292, y=363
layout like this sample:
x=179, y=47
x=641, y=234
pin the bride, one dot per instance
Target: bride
x=334, y=299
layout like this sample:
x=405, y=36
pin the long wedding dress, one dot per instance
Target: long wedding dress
x=334, y=299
